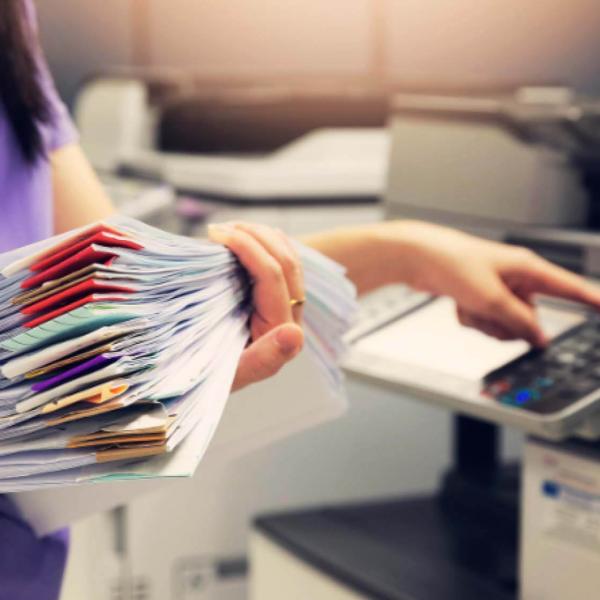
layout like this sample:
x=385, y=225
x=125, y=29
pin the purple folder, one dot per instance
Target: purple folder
x=89, y=365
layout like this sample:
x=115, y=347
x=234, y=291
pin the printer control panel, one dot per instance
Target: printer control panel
x=552, y=379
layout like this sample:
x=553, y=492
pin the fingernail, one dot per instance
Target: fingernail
x=287, y=341
x=220, y=232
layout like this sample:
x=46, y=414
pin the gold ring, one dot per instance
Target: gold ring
x=297, y=302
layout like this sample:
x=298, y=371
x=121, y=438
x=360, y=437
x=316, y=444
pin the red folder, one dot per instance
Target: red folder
x=86, y=287
x=76, y=238
x=104, y=237
x=89, y=254
x=69, y=307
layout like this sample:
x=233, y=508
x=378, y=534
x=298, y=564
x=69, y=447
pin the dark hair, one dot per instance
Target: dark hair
x=21, y=92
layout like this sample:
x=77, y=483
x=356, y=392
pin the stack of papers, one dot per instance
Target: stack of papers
x=118, y=347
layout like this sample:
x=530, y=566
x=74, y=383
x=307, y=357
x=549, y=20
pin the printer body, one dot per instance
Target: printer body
x=239, y=142
x=520, y=167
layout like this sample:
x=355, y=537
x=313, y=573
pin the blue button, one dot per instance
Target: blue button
x=523, y=396
x=551, y=489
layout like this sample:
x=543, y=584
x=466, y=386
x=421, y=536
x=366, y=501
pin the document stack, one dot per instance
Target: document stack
x=118, y=347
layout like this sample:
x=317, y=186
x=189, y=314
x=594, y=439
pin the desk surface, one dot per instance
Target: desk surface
x=404, y=550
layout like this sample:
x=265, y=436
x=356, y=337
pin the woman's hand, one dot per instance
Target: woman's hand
x=493, y=284
x=277, y=275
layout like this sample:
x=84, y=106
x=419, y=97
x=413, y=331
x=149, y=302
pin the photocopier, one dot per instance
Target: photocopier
x=522, y=167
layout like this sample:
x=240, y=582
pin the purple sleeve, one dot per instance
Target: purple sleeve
x=60, y=131
x=31, y=568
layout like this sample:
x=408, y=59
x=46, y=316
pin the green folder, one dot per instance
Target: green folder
x=77, y=322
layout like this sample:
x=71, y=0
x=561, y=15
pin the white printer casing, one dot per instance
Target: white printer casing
x=487, y=159
x=560, y=523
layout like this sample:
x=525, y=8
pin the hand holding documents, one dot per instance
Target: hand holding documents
x=118, y=346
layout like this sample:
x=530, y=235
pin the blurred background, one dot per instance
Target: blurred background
x=431, y=42
x=166, y=94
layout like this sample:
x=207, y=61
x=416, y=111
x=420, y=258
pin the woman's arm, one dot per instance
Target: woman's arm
x=372, y=259
x=79, y=197
x=493, y=284
x=274, y=267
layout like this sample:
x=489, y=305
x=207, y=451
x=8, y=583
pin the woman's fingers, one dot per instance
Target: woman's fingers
x=265, y=357
x=518, y=318
x=543, y=277
x=270, y=292
x=282, y=250
x=501, y=306
x=277, y=277
x=485, y=326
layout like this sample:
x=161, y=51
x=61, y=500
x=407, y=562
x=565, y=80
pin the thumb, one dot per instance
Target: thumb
x=265, y=357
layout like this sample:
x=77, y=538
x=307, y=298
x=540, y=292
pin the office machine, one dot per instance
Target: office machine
x=242, y=144
x=543, y=522
x=388, y=550
x=520, y=169
x=425, y=352
x=504, y=160
x=464, y=542
x=490, y=156
x=560, y=528
x=458, y=545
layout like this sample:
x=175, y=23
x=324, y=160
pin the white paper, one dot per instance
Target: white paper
x=433, y=341
x=293, y=401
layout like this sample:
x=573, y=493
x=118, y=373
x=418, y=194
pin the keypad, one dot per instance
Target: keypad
x=550, y=380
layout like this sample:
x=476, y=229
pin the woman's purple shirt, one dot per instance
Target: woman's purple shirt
x=30, y=568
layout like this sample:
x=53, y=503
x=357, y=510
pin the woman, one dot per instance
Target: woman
x=47, y=186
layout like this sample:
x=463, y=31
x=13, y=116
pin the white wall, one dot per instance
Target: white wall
x=233, y=36
x=430, y=41
x=82, y=37
x=483, y=41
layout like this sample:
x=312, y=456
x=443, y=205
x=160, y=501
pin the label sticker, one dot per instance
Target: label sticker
x=571, y=515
